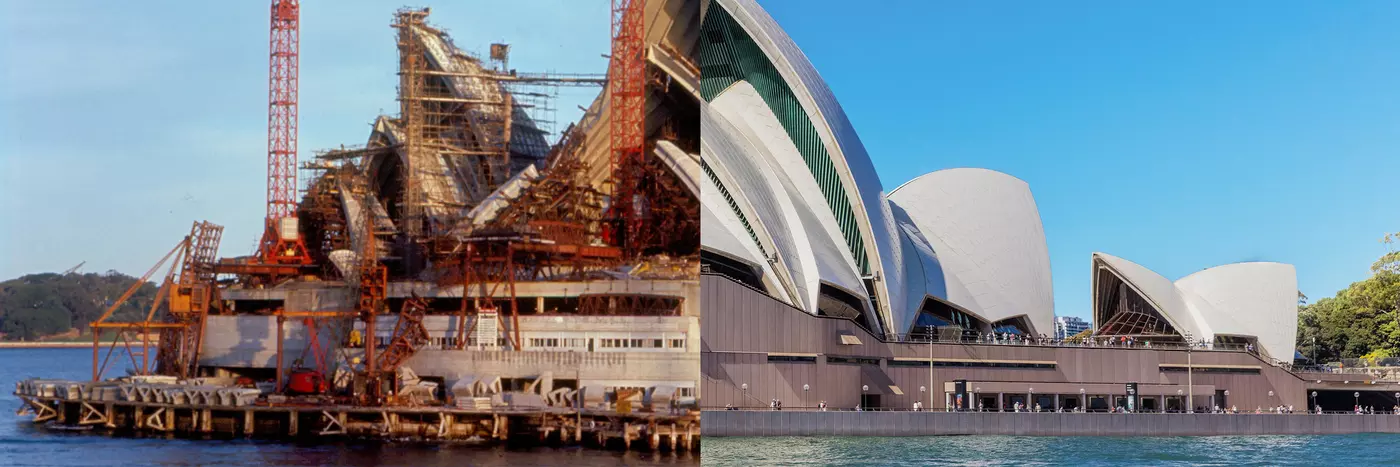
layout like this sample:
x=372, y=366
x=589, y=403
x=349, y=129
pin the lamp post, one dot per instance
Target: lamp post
x=1190, y=390
x=745, y=388
x=805, y=400
x=1083, y=403
x=1315, y=407
x=1226, y=401
x=921, y=393
x=1314, y=349
x=863, y=388
x=1178, y=394
x=1030, y=400
x=930, y=366
x=977, y=394
x=1357, y=396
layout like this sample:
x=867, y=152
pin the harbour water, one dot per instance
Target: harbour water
x=25, y=444
x=982, y=451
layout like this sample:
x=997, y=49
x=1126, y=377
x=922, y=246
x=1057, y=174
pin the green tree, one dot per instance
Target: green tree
x=38, y=305
x=1362, y=320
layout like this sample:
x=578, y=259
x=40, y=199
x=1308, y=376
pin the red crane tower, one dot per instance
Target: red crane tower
x=627, y=92
x=281, y=242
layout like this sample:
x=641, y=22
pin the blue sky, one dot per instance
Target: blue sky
x=123, y=124
x=1179, y=135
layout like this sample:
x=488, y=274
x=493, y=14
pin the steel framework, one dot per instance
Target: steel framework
x=190, y=302
x=373, y=281
x=409, y=335
x=189, y=286
x=628, y=305
x=278, y=246
x=627, y=99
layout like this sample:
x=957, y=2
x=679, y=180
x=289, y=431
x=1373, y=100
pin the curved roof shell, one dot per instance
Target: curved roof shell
x=800, y=201
x=986, y=231
x=1253, y=299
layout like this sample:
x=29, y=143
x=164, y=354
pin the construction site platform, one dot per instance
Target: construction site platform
x=125, y=407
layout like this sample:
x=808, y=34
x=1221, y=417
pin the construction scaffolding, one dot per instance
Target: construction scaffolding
x=470, y=224
x=460, y=190
x=627, y=94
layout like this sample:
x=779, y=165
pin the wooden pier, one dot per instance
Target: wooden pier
x=661, y=432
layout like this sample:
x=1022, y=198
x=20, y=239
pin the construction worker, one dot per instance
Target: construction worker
x=355, y=339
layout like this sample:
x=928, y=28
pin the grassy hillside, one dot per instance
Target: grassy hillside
x=41, y=305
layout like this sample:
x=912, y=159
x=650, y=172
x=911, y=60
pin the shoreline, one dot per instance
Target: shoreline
x=56, y=345
x=746, y=423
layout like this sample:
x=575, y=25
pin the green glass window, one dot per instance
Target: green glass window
x=728, y=55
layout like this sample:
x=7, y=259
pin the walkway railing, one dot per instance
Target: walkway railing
x=1032, y=413
x=964, y=336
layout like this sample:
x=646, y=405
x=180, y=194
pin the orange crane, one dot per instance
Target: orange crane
x=281, y=242
x=627, y=92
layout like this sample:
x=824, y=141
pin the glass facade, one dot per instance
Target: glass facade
x=728, y=55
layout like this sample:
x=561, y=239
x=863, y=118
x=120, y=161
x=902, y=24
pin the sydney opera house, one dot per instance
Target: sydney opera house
x=820, y=285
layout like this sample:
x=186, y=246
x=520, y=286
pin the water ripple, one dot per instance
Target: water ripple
x=988, y=451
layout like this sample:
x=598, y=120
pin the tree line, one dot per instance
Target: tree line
x=40, y=305
x=1360, y=321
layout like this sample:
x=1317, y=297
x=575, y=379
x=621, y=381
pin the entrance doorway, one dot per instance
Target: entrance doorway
x=1149, y=404
x=1346, y=400
x=869, y=401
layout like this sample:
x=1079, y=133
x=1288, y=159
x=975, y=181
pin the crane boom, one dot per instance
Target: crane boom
x=627, y=95
x=282, y=110
x=281, y=242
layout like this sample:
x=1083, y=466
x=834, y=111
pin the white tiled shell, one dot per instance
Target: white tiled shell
x=856, y=171
x=985, y=229
x=1255, y=299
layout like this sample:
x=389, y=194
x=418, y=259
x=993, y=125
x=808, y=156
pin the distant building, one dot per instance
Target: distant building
x=1066, y=326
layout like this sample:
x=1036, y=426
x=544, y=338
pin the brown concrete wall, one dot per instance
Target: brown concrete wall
x=740, y=326
x=792, y=423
